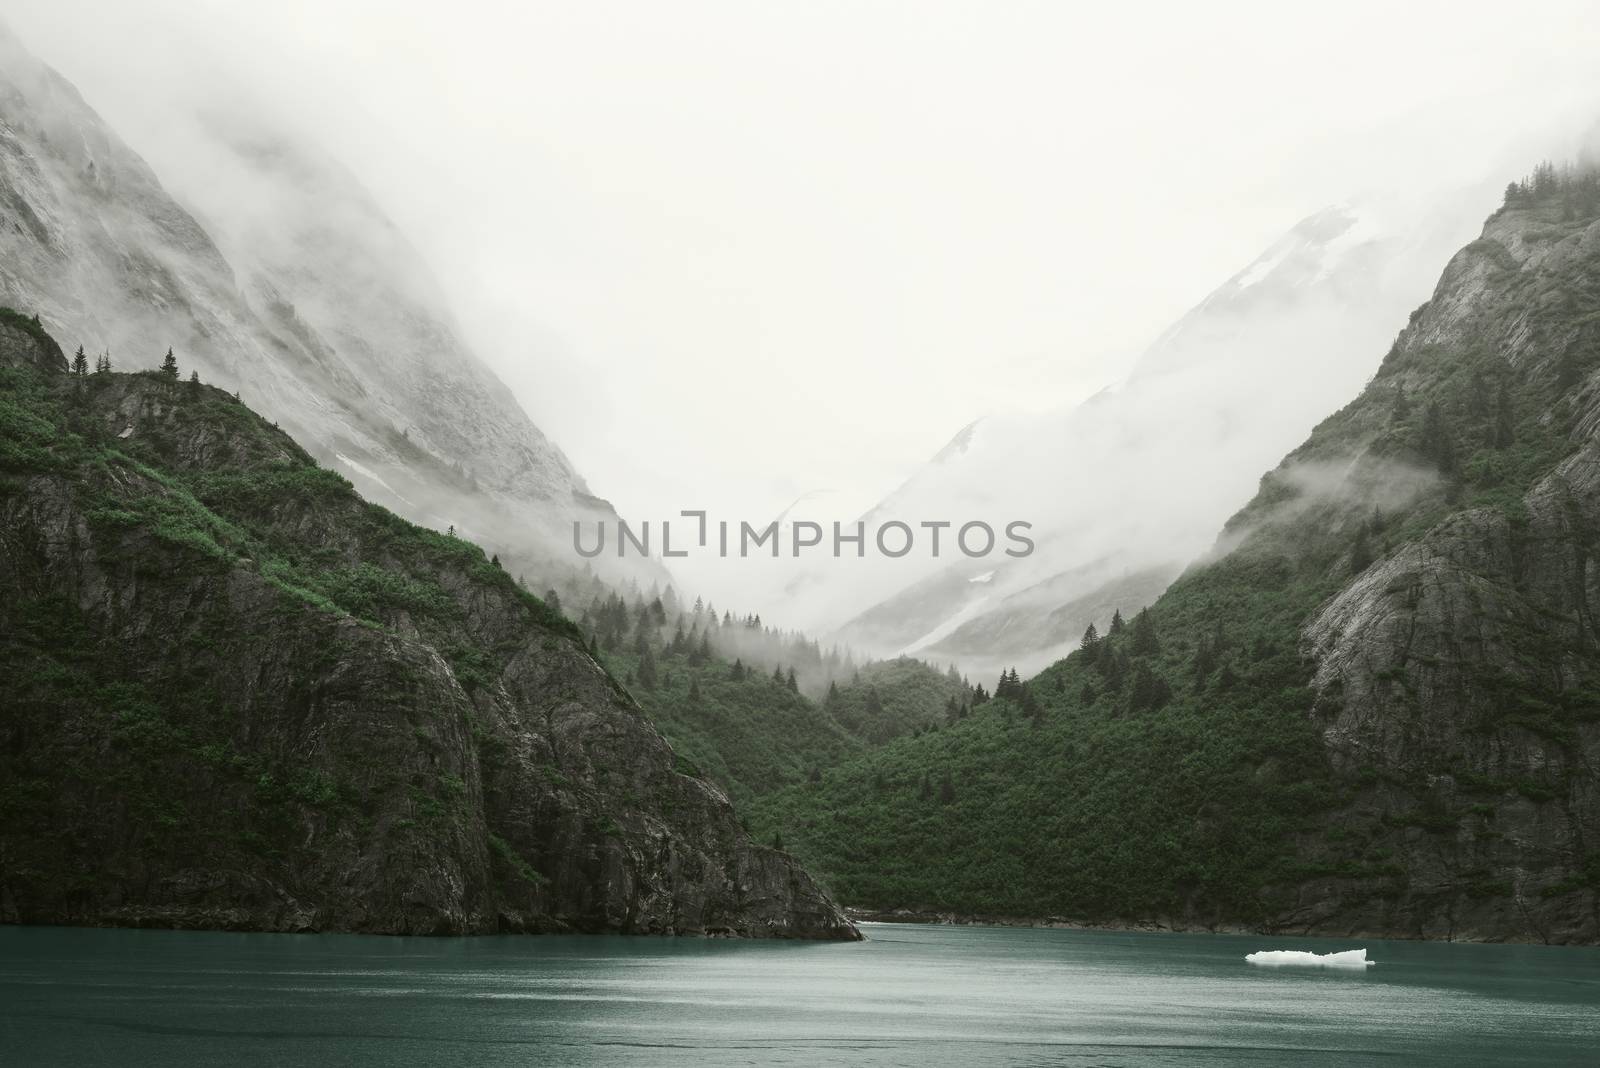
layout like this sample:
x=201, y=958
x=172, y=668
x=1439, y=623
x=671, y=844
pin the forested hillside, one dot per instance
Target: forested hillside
x=1375, y=709
x=234, y=694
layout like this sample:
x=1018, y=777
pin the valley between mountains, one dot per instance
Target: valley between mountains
x=290, y=639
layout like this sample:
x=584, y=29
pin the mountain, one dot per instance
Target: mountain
x=237, y=695
x=290, y=287
x=1373, y=709
x=755, y=710
x=1126, y=487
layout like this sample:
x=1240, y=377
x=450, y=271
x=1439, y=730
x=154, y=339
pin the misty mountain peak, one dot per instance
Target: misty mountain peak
x=271, y=271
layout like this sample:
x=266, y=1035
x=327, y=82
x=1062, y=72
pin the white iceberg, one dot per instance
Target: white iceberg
x=1300, y=958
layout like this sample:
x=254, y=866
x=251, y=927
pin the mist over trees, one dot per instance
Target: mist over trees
x=648, y=622
x=1576, y=184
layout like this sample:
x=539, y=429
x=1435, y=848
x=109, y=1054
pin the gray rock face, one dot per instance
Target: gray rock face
x=296, y=292
x=1457, y=675
x=23, y=345
x=191, y=735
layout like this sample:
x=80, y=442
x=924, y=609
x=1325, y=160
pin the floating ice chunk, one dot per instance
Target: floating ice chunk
x=1299, y=958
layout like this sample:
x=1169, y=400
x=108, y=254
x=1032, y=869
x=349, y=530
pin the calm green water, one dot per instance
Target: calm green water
x=922, y=996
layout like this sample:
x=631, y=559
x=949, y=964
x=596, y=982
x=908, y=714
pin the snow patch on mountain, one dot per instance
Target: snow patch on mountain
x=1125, y=486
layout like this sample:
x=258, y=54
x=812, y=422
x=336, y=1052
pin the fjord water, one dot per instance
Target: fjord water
x=909, y=995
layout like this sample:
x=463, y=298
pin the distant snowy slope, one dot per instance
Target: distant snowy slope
x=1127, y=487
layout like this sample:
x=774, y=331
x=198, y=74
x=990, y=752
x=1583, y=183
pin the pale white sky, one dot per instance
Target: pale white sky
x=727, y=253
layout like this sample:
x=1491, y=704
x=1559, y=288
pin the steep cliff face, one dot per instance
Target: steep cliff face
x=236, y=695
x=1459, y=675
x=1373, y=709
x=293, y=289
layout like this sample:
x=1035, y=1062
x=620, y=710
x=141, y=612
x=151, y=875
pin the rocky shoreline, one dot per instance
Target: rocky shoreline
x=941, y=918
x=957, y=919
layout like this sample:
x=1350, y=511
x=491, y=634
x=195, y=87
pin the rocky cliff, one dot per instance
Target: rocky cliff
x=237, y=695
x=288, y=284
x=1458, y=676
x=1372, y=710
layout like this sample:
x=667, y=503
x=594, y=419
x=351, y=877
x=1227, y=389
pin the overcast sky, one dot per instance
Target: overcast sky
x=727, y=253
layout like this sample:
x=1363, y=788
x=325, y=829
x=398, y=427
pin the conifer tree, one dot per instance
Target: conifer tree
x=1149, y=690
x=1116, y=622
x=1145, y=642
x=1478, y=397
x=1116, y=670
x=1031, y=706
x=792, y=682
x=1504, y=427
x=80, y=363
x=1205, y=661
x=874, y=704
x=1402, y=406
x=1437, y=444
x=169, y=366
x=1091, y=637
x=1360, y=551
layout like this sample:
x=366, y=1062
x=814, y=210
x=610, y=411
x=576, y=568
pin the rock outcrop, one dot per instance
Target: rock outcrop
x=24, y=343
x=1459, y=675
x=1373, y=710
x=236, y=695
